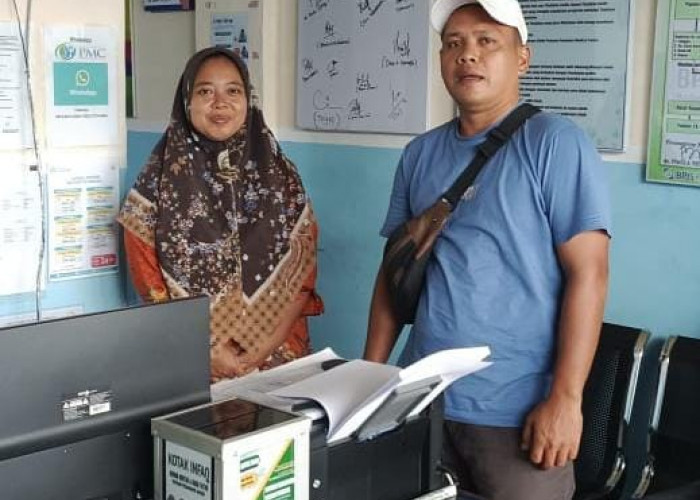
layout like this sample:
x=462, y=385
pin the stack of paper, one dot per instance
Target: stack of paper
x=350, y=392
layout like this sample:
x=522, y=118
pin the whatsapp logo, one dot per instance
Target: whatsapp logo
x=80, y=84
x=82, y=78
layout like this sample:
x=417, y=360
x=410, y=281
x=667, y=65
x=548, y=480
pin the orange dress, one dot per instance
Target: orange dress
x=147, y=278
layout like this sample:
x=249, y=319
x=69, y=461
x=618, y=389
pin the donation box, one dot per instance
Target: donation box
x=231, y=449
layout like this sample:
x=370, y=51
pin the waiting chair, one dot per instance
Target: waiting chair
x=690, y=491
x=607, y=407
x=673, y=441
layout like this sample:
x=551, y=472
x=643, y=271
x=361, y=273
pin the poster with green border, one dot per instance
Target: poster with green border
x=673, y=154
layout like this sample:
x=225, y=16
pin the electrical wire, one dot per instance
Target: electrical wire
x=24, y=34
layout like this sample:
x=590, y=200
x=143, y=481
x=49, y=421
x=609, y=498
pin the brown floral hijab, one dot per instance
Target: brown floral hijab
x=222, y=216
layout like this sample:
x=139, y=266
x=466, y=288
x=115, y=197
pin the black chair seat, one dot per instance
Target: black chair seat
x=673, y=442
x=607, y=407
x=689, y=491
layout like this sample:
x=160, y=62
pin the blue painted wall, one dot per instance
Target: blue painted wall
x=91, y=294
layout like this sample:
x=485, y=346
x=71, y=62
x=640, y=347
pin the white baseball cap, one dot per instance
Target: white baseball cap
x=506, y=12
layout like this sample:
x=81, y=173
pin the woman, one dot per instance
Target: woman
x=219, y=210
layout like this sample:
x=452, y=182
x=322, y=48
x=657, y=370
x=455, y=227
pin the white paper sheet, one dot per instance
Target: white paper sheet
x=15, y=122
x=20, y=226
x=267, y=381
x=351, y=392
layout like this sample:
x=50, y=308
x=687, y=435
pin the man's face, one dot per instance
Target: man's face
x=481, y=60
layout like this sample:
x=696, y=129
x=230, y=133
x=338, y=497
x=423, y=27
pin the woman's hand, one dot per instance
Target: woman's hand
x=252, y=361
x=227, y=361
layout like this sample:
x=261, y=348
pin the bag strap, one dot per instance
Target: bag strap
x=494, y=140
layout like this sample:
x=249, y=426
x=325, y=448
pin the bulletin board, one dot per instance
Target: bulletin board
x=62, y=146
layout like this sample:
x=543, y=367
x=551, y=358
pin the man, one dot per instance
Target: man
x=520, y=266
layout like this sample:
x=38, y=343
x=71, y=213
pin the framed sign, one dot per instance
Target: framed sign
x=167, y=5
x=579, y=64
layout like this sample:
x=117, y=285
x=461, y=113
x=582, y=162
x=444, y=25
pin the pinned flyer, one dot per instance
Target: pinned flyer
x=15, y=122
x=83, y=200
x=81, y=96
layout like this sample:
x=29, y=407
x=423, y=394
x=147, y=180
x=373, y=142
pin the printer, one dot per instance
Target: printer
x=379, y=462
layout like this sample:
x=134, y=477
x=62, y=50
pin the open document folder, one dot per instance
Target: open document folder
x=351, y=392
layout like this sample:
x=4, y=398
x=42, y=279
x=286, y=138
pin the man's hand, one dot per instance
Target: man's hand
x=552, y=431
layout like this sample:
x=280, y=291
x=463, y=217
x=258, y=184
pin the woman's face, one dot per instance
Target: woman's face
x=218, y=106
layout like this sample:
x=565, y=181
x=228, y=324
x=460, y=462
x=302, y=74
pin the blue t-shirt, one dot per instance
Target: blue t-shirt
x=494, y=278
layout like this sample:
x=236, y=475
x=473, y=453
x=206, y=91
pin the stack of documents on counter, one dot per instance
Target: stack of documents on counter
x=349, y=392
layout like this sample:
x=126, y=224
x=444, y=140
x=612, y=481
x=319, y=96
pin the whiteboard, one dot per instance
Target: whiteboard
x=362, y=65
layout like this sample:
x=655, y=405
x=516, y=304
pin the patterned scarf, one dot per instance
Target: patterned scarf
x=226, y=219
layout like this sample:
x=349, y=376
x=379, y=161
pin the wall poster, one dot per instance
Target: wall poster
x=579, y=64
x=81, y=98
x=83, y=201
x=673, y=154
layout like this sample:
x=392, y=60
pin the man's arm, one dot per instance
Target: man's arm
x=383, y=329
x=552, y=431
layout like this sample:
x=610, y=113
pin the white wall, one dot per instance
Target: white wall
x=162, y=42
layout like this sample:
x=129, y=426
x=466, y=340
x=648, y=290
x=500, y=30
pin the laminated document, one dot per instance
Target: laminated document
x=351, y=392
